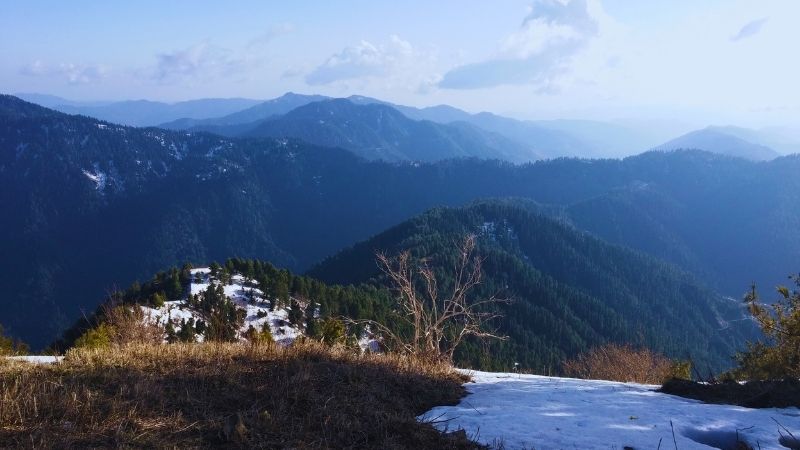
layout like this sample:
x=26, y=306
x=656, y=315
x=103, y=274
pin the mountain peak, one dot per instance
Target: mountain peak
x=721, y=140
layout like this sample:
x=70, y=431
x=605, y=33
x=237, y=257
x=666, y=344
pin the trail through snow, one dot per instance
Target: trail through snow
x=529, y=411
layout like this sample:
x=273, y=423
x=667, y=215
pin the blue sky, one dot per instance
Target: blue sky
x=706, y=61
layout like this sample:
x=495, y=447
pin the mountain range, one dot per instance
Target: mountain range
x=541, y=139
x=90, y=205
x=143, y=113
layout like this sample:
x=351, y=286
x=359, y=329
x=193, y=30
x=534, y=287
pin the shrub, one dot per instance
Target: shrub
x=10, y=346
x=119, y=325
x=624, y=363
x=158, y=300
x=259, y=337
x=331, y=331
x=95, y=338
x=778, y=356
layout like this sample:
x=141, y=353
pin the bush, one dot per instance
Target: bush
x=259, y=337
x=158, y=300
x=120, y=325
x=332, y=331
x=624, y=363
x=10, y=346
x=95, y=338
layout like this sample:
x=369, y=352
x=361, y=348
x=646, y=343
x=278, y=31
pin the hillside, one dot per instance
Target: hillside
x=92, y=205
x=571, y=291
x=226, y=396
x=720, y=141
x=240, y=301
x=376, y=131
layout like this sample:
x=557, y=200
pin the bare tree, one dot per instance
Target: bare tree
x=439, y=321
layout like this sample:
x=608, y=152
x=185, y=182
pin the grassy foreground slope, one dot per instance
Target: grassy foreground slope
x=225, y=395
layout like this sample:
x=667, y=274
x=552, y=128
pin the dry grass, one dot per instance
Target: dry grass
x=129, y=325
x=620, y=363
x=225, y=395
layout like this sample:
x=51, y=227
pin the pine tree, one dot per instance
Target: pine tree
x=169, y=329
x=295, y=313
x=779, y=355
x=158, y=300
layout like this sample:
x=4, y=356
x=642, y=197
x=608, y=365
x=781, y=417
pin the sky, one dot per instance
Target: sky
x=712, y=61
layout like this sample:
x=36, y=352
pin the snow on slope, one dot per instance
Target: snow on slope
x=246, y=295
x=238, y=291
x=529, y=411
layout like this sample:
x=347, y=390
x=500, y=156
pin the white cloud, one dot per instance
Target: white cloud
x=362, y=60
x=539, y=52
x=73, y=73
x=200, y=61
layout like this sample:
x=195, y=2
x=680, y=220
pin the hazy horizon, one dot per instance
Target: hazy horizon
x=715, y=63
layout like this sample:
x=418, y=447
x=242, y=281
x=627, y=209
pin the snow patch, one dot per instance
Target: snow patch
x=98, y=177
x=36, y=359
x=530, y=411
x=245, y=294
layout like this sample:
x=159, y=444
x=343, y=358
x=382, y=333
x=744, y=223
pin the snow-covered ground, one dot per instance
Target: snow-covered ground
x=258, y=312
x=37, y=359
x=246, y=295
x=529, y=411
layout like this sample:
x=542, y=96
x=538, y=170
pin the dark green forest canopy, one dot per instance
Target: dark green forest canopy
x=571, y=291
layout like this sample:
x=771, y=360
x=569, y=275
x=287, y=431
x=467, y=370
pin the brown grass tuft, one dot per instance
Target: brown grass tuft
x=624, y=363
x=129, y=325
x=228, y=395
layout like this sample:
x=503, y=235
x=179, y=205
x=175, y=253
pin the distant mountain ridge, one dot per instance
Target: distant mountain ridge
x=548, y=139
x=145, y=113
x=724, y=141
x=376, y=131
x=247, y=117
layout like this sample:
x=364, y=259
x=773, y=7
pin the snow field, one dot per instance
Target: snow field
x=529, y=411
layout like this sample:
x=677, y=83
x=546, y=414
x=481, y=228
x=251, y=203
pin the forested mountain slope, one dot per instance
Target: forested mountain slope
x=570, y=291
x=377, y=131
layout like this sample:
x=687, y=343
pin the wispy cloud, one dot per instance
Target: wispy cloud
x=72, y=72
x=200, y=61
x=537, y=53
x=273, y=32
x=364, y=59
x=750, y=29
